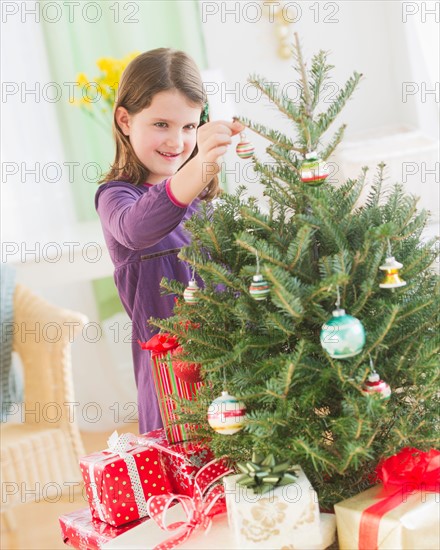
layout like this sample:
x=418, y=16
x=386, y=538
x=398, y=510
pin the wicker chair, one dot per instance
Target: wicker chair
x=40, y=455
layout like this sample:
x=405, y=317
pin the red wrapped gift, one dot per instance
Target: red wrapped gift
x=182, y=461
x=167, y=385
x=120, y=479
x=80, y=530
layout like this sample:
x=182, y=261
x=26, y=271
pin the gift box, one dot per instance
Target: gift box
x=183, y=464
x=80, y=530
x=168, y=385
x=402, y=513
x=120, y=479
x=149, y=535
x=283, y=517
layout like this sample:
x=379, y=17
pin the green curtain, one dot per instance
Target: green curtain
x=74, y=42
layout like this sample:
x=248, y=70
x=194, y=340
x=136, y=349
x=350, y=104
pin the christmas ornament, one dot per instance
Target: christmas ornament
x=375, y=386
x=226, y=414
x=313, y=170
x=342, y=336
x=244, y=149
x=188, y=372
x=263, y=473
x=191, y=292
x=259, y=289
x=391, y=268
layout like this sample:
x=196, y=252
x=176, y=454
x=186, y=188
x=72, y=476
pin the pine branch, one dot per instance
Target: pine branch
x=274, y=136
x=319, y=73
x=336, y=140
x=284, y=105
x=325, y=119
x=301, y=68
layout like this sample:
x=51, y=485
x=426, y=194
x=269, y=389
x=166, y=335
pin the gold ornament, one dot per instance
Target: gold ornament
x=391, y=268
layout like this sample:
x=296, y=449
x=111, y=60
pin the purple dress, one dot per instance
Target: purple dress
x=143, y=229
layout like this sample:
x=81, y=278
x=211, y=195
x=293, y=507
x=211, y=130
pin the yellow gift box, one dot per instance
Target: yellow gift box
x=413, y=523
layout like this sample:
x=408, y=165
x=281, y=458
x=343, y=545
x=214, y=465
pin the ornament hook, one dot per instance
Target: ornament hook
x=373, y=370
x=389, y=253
x=338, y=297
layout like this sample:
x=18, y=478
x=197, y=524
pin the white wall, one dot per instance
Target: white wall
x=383, y=40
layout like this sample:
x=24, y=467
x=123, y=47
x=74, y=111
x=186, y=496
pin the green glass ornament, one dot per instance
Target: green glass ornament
x=343, y=335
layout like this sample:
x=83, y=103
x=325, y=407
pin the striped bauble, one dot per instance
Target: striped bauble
x=191, y=292
x=313, y=170
x=259, y=289
x=226, y=414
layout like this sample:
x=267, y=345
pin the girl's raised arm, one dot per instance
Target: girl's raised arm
x=213, y=140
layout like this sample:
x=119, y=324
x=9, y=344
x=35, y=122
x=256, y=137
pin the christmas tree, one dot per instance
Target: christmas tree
x=309, y=393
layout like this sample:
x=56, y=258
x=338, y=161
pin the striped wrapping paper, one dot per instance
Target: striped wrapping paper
x=168, y=384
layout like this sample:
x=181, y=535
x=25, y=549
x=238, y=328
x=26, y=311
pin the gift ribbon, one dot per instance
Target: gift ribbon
x=207, y=501
x=264, y=473
x=160, y=344
x=408, y=471
x=121, y=445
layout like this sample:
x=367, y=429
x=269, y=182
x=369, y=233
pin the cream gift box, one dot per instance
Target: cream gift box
x=218, y=537
x=413, y=524
x=286, y=517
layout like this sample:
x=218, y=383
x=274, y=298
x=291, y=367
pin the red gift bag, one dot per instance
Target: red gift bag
x=167, y=384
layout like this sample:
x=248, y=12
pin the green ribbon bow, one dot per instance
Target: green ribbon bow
x=264, y=473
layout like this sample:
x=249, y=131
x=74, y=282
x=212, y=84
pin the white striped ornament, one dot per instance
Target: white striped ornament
x=245, y=149
x=191, y=292
x=226, y=414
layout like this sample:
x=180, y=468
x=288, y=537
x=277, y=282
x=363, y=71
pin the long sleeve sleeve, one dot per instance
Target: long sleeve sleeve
x=138, y=219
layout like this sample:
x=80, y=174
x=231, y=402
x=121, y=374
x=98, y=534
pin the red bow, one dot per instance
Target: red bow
x=207, y=501
x=408, y=471
x=159, y=344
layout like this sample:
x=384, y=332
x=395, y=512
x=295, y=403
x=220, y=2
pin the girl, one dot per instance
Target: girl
x=166, y=161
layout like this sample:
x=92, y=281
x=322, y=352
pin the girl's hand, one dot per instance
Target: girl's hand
x=214, y=138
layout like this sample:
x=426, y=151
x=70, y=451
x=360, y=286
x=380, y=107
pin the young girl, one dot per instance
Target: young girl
x=166, y=161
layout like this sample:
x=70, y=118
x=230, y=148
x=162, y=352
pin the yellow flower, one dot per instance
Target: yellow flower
x=103, y=87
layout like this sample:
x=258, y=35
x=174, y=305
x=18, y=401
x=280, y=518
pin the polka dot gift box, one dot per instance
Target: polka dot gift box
x=119, y=480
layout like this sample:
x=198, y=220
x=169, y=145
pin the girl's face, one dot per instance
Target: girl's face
x=163, y=135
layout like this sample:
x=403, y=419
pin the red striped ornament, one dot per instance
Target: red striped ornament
x=245, y=149
x=226, y=414
x=313, y=170
x=375, y=386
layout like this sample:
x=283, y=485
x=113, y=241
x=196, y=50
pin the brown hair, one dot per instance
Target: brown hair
x=152, y=72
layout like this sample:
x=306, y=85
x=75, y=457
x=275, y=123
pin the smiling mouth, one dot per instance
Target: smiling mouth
x=168, y=155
